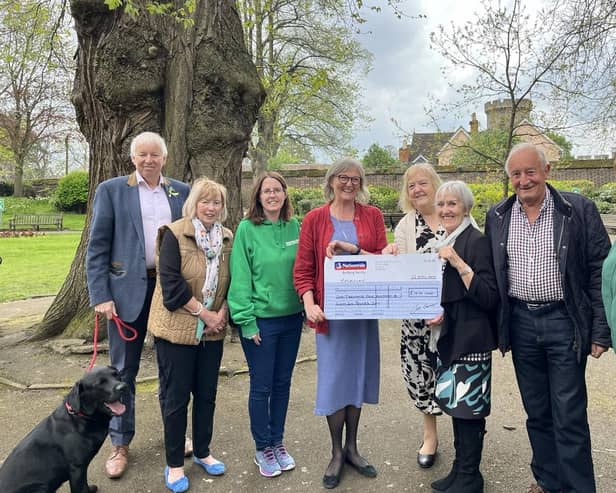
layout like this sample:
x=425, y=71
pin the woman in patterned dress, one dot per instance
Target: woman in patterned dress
x=418, y=231
x=467, y=335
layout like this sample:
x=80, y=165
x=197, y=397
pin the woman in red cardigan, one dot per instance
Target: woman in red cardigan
x=348, y=362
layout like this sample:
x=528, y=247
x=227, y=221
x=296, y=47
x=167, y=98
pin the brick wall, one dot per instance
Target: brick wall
x=598, y=171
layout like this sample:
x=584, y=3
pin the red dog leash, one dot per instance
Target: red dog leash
x=120, y=325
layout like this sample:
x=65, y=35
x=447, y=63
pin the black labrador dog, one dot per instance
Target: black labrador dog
x=61, y=446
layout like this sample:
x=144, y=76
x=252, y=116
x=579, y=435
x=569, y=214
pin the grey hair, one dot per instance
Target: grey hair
x=344, y=164
x=460, y=190
x=523, y=146
x=413, y=170
x=144, y=137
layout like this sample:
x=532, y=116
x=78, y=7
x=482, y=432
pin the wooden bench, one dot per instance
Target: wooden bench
x=36, y=221
x=392, y=219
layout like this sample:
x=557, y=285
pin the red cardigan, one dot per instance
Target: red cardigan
x=316, y=233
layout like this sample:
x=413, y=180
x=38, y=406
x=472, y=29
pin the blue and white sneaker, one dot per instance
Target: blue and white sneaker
x=268, y=465
x=285, y=460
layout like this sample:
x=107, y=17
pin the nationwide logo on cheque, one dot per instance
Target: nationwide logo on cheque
x=352, y=265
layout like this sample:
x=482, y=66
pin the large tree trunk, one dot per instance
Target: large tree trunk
x=196, y=86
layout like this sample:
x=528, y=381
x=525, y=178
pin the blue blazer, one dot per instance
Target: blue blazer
x=115, y=260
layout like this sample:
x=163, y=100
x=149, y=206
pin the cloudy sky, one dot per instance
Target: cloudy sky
x=406, y=72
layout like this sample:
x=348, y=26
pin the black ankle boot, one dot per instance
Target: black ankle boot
x=467, y=483
x=444, y=483
x=467, y=478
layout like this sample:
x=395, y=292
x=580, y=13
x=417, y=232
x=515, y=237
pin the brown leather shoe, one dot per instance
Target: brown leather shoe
x=117, y=461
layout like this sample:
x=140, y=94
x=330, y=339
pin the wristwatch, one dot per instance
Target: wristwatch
x=358, y=250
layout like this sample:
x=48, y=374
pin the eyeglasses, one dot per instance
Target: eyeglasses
x=344, y=179
x=271, y=191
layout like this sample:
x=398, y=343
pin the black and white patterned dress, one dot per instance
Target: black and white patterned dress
x=417, y=361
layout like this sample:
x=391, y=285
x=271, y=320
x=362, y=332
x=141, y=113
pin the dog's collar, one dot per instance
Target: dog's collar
x=71, y=411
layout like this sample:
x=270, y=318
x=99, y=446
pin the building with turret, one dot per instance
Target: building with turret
x=498, y=113
x=438, y=148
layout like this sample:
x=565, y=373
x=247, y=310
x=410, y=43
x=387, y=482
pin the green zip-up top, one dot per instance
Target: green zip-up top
x=262, y=273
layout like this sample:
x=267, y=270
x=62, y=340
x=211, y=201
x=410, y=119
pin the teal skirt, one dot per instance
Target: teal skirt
x=463, y=389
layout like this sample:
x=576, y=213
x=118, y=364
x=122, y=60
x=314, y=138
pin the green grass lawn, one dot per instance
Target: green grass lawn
x=34, y=266
x=74, y=222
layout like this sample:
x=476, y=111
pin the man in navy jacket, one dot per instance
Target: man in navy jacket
x=120, y=265
x=548, y=249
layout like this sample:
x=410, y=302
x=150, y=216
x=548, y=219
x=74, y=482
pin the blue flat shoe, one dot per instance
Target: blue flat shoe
x=179, y=485
x=216, y=469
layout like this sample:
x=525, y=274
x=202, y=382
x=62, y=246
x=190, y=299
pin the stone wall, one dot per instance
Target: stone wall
x=599, y=171
x=596, y=170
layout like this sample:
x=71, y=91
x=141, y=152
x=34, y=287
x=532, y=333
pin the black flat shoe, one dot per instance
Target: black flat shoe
x=330, y=482
x=426, y=460
x=368, y=470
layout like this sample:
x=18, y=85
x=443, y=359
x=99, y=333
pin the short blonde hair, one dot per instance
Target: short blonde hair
x=416, y=169
x=344, y=164
x=204, y=188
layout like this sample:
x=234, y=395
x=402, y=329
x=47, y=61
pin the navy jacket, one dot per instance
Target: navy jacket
x=581, y=243
x=115, y=261
x=468, y=321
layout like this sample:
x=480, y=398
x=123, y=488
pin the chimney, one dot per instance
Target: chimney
x=474, y=124
x=404, y=153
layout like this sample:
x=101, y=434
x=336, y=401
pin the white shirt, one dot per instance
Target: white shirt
x=155, y=212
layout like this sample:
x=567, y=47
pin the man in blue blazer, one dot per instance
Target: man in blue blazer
x=120, y=265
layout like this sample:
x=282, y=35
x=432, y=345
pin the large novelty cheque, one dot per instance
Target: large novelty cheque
x=383, y=286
